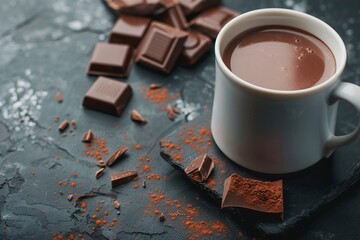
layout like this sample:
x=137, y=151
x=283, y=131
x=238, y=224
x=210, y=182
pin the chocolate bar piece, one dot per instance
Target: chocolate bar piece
x=200, y=169
x=263, y=197
x=212, y=21
x=161, y=47
x=195, y=46
x=195, y=6
x=129, y=30
x=111, y=60
x=122, y=177
x=108, y=96
x=175, y=17
x=116, y=155
x=135, y=7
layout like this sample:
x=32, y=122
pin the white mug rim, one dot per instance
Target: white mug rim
x=290, y=93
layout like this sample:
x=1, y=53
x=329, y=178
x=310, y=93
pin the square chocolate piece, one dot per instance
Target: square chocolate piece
x=111, y=60
x=195, y=46
x=129, y=30
x=250, y=194
x=212, y=21
x=161, y=47
x=200, y=169
x=135, y=7
x=108, y=96
x=195, y=6
x=175, y=17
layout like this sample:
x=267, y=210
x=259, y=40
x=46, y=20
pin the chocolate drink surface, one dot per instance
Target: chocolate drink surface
x=280, y=58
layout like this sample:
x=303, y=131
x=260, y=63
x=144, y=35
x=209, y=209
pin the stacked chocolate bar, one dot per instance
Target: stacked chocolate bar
x=156, y=33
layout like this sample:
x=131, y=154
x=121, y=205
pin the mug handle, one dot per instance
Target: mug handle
x=350, y=93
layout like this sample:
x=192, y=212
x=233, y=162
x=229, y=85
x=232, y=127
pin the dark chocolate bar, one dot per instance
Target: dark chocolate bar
x=111, y=60
x=161, y=47
x=108, y=96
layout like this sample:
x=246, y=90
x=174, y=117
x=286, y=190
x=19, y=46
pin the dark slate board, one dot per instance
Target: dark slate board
x=305, y=192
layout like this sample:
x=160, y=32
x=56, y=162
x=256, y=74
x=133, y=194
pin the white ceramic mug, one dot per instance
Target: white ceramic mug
x=273, y=131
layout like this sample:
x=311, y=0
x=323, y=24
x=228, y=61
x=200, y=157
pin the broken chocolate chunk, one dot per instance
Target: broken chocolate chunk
x=99, y=173
x=213, y=20
x=161, y=47
x=88, y=136
x=122, y=177
x=260, y=196
x=111, y=60
x=108, y=96
x=200, y=169
x=116, y=155
x=129, y=30
x=174, y=16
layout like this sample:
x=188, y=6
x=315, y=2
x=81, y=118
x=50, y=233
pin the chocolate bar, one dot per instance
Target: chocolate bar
x=213, y=20
x=129, y=30
x=200, y=169
x=195, y=46
x=161, y=47
x=250, y=194
x=108, y=96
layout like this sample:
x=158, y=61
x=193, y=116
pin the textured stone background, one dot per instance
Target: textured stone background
x=45, y=47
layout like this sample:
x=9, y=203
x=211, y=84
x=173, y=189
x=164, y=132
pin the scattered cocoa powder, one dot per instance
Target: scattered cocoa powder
x=159, y=96
x=96, y=149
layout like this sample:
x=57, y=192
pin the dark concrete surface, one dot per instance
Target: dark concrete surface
x=44, y=48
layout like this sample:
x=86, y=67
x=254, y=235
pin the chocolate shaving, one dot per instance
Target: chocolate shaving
x=63, y=126
x=99, y=172
x=116, y=155
x=144, y=184
x=155, y=86
x=136, y=116
x=101, y=164
x=122, y=177
x=59, y=97
x=88, y=136
x=170, y=112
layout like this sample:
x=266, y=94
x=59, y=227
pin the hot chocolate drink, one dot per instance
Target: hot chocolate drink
x=280, y=58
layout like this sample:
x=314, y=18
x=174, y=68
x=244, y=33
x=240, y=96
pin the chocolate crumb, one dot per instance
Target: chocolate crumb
x=61, y=193
x=88, y=136
x=101, y=164
x=162, y=218
x=73, y=124
x=136, y=116
x=116, y=204
x=155, y=86
x=59, y=97
x=70, y=197
x=63, y=126
x=144, y=184
x=56, y=119
x=99, y=173
x=170, y=112
x=116, y=155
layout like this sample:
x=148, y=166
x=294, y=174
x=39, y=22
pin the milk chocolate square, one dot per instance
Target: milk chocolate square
x=129, y=30
x=175, y=17
x=195, y=6
x=108, y=96
x=211, y=21
x=135, y=7
x=195, y=46
x=161, y=47
x=111, y=60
